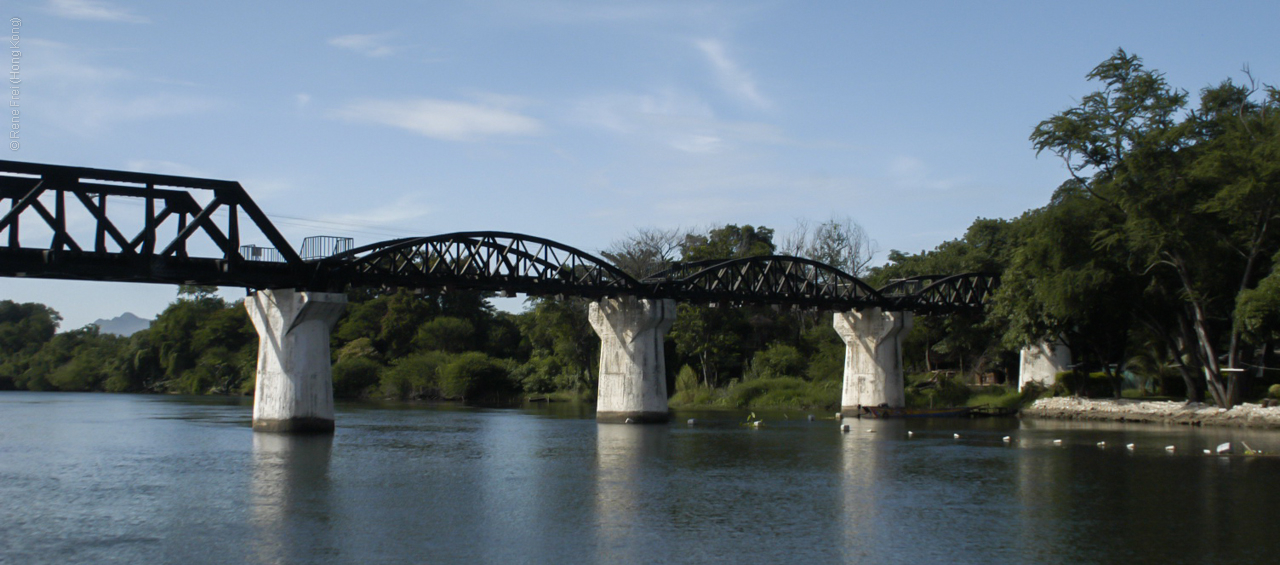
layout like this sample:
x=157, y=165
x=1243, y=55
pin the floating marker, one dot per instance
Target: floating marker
x=870, y=431
x=1007, y=439
x=1170, y=448
x=1207, y=452
x=1129, y=447
x=628, y=421
x=1102, y=444
x=810, y=417
x=692, y=421
x=910, y=433
x=957, y=436
x=844, y=428
x=839, y=415
x=1057, y=442
x=1224, y=449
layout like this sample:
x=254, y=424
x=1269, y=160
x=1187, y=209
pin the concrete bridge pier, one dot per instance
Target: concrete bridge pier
x=872, y=358
x=294, y=390
x=1041, y=363
x=633, y=370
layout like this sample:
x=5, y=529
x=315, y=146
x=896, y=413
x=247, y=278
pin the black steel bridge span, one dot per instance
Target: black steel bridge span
x=103, y=225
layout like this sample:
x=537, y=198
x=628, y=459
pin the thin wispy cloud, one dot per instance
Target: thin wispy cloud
x=616, y=11
x=440, y=119
x=369, y=45
x=734, y=79
x=83, y=95
x=94, y=10
x=403, y=211
x=911, y=172
x=675, y=120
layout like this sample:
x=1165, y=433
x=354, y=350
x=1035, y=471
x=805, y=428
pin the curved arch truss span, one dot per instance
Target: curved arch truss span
x=772, y=279
x=496, y=261
x=937, y=293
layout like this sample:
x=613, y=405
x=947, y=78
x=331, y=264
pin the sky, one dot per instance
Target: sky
x=584, y=121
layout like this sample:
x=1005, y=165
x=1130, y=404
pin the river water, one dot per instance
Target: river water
x=98, y=478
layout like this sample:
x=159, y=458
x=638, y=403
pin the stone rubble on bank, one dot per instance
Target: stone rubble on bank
x=1168, y=412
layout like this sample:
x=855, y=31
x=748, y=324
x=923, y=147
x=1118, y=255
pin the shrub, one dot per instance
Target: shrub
x=687, y=379
x=415, y=376
x=474, y=377
x=362, y=347
x=779, y=360
x=354, y=376
x=783, y=392
x=1088, y=385
x=1274, y=391
x=935, y=390
x=1008, y=398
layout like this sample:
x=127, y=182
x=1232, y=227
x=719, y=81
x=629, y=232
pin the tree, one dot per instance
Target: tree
x=713, y=338
x=839, y=242
x=645, y=251
x=1061, y=286
x=1197, y=192
x=960, y=340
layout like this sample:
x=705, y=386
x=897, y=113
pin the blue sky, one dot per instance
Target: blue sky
x=581, y=121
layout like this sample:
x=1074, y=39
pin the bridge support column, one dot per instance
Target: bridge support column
x=633, y=369
x=872, y=358
x=294, y=390
x=1041, y=363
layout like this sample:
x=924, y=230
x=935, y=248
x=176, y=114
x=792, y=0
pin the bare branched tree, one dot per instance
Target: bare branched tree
x=646, y=250
x=839, y=242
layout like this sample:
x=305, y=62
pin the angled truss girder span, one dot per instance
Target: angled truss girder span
x=148, y=242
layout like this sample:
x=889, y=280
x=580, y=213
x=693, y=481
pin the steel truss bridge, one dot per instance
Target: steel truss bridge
x=180, y=230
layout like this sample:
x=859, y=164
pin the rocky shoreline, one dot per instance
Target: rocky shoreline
x=1164, y=412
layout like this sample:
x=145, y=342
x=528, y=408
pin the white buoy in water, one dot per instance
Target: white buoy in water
x=910, y=433
x=1007, y=439
x=1207, y=452
x=1130, y=447
x=957, y=436
x=628, y=421
x=870, y=431
x=692, y=421
x=810, y=417
x=1102, y=444
x=844, y=428
x=1224, y=448
x=839, y=415
x=1057, y=442
x=1170, y=448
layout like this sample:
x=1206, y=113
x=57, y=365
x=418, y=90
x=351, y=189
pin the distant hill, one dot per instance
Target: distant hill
x=125, y=324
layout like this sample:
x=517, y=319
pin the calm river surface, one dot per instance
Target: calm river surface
x=98, y=478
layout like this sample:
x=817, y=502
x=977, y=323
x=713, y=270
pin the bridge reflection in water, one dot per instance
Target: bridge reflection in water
x=290, y=479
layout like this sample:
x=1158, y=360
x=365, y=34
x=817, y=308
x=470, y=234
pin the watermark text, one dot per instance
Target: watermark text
x=15, y=83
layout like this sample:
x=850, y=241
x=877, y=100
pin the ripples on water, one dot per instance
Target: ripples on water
x=94, y=478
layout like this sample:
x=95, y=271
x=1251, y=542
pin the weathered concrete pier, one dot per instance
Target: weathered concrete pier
x=872, y=358
x=633, y=370
x=1041, y=363
x=294, y=389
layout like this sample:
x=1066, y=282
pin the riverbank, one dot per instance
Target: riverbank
x=1164, y=412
